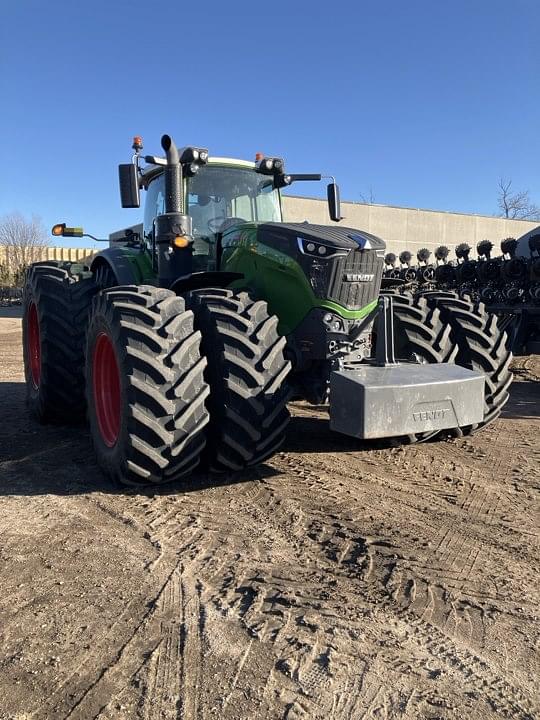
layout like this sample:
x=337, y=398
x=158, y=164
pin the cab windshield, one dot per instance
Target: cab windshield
x=219, y=197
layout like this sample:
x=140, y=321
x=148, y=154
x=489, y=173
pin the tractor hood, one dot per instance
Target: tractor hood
x=342, y=265
x=292, y=237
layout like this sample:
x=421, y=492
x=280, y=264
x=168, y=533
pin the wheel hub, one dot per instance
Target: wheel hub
x=34, y=345
x=106, y=386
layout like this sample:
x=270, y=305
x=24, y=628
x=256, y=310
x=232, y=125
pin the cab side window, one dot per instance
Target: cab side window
x=154, y=204
x=242, y=207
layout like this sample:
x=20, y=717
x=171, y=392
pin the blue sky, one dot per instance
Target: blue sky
x=427, y=103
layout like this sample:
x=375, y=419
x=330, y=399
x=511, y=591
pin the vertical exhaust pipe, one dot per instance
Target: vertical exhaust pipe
x=172, y=229
x=174, y=194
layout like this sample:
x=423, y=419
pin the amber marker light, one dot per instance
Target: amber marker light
x=64, y=231
x=58, y=229
x=180, y=241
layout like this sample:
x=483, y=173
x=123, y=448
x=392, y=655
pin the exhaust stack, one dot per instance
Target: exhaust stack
x=174, y=196
x=172, y=229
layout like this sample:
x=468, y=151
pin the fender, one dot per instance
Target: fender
x=130, y=267
x=207, y=279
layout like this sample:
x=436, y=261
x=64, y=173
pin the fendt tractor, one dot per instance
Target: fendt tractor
x=183, y=341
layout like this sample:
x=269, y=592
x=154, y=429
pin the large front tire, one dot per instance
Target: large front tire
x=482, y=346
x=144, y=384
x=56, y=302
x=246, y=372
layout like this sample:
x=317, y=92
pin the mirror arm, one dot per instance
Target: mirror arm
x=95, y=238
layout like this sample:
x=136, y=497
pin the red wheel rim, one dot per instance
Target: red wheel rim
x=106, y=377
x=33, y=343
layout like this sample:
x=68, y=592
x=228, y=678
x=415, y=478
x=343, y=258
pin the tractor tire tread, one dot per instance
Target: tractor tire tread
x=62, y=292
x=246, y=372
x=163, y=387
x=482, y=346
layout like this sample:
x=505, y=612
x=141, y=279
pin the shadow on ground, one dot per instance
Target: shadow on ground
x=524, y=400
x=11, y=311
x=44, y=459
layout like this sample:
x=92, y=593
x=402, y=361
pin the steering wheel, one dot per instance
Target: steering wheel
x=222, y=222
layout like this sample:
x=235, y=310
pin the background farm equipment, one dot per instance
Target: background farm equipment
x=508, y=284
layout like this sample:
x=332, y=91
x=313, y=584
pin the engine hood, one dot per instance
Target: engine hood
x=284, y=237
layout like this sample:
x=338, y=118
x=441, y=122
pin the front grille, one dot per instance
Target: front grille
x=341, y=278
x=350, y=282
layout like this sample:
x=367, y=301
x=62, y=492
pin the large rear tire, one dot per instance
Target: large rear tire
x=482, y=346
x=246, y=372
x=144, y=384
x=56, y=302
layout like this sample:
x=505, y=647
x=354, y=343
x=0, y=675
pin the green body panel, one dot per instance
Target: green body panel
x=141, y=262
x=277, y=278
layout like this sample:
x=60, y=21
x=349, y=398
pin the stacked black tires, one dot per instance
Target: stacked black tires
x=167, y=383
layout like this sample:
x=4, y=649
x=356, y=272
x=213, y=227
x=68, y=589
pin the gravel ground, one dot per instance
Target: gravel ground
x=336, y=581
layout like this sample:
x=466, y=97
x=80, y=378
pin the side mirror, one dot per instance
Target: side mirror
x=334, y=207
x=129, y=185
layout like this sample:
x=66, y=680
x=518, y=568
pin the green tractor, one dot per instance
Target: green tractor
x=183, y=341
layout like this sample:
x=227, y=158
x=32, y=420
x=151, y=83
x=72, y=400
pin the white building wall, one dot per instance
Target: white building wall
x=410, y=229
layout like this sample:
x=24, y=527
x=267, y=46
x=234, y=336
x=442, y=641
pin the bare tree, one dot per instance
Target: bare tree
x=516, y=205
x=21, y=241
x=368, y=199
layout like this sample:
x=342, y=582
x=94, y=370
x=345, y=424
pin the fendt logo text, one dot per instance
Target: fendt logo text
x=359, y=277
x=429, y=415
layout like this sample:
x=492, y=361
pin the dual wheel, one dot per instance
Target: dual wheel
x=435, y=326
x=168, y=382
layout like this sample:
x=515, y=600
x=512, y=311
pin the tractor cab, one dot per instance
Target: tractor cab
x=194, y=199
x=223, y=193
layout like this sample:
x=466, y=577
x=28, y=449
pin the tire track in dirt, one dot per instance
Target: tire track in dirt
x=503, y=697
x=311, y=592
x=276, y=612
x=128, y=661
x=178, y=532
x=170, y=675
x=190, y=650
x=270, y=609
x=117, y=654
x=162, y=694
x=477, y=501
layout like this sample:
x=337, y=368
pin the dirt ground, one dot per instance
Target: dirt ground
x=336, y=581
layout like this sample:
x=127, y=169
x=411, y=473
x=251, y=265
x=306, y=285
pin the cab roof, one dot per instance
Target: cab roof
x=150, y=171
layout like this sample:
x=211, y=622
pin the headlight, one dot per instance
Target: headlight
x=268, y=165
x=320, y=250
